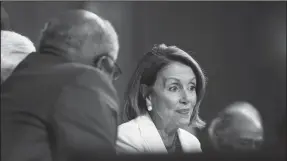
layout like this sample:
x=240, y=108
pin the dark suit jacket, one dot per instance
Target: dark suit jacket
x=53, y=109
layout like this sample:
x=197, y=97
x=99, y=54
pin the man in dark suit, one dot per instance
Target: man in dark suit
x=60, y=103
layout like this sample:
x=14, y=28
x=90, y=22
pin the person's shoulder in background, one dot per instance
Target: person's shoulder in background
x=203, y=137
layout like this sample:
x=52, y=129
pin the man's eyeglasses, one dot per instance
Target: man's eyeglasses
x=110, y=66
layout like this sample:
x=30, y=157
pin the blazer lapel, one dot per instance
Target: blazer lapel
x=187, y=144
x=150, y=134
x=184, y=144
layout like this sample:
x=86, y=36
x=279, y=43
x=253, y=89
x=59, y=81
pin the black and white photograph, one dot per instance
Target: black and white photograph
x=143, y=80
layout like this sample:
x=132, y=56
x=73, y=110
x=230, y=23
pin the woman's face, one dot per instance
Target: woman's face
x=173, y=95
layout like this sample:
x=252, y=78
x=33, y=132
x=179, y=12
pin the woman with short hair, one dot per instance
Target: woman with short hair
x=163, y=97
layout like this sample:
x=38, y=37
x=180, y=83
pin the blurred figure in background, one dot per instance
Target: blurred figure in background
x=60, y=103
x=14, y=48
x=5, y=21
x=237, y=128
x=279, y=146
x=163, y=97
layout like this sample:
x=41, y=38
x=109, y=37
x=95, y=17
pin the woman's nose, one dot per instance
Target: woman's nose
x=184, y=101
x=184, y=98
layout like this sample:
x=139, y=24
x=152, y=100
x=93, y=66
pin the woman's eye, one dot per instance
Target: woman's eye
x=173, y=88
x=192, y=88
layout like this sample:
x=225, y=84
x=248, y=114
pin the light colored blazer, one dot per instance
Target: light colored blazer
x=141, y=136
x=14, y=48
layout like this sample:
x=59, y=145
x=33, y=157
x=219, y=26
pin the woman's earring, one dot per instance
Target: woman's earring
x=149, y=108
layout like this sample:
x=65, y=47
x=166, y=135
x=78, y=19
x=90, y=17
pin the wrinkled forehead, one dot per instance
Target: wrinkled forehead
x=176, y=71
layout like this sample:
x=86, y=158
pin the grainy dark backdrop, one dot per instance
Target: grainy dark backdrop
x=240, y=45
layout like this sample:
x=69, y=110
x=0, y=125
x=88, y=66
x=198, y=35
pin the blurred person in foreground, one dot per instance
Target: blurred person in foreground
x=238, y=128
x=14, y=48
x=163, y=97
x=60, y=103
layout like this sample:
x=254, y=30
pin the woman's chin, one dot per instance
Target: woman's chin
x=184, y=122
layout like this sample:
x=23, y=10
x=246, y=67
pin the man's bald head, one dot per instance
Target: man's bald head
x=240, y=122
x=242, y=112
x=81, y=34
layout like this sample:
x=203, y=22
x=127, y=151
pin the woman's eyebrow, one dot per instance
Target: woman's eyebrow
x=165, y=79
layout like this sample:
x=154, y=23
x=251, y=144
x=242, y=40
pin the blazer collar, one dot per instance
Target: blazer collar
x=152, y=137
x=150, y=134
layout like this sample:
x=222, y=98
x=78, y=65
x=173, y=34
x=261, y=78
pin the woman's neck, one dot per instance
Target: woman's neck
x=168, y=138
x=166, y=130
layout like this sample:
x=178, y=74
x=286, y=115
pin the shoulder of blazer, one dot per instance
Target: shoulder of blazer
x=129, y=130
x=189, y=140
x=129, y=138
x=189, y=135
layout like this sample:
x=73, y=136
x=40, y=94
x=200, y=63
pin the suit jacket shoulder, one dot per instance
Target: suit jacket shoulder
x=45, y=96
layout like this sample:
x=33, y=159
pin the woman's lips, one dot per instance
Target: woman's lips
x=183, y=111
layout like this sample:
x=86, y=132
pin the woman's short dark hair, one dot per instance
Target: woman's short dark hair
x=146, y=73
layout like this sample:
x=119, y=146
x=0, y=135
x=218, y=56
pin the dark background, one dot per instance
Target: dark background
x=240, y=45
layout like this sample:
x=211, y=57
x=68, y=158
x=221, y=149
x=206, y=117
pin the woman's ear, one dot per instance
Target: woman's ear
x=148, y=101
x=145, y=91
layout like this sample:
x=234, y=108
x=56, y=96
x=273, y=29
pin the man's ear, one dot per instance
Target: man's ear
x=213, y=133
x=103, y=64
x=212, y=129
x=98, y=62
